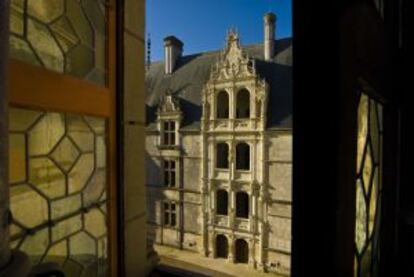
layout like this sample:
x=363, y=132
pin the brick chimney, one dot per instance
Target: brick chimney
x=269, y=36
x=173, y=48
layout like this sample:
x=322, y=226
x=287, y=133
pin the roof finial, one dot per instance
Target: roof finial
x=148, y=51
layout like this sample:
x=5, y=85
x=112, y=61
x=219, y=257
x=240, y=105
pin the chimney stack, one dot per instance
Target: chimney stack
x=269, y=36
x=173, y=48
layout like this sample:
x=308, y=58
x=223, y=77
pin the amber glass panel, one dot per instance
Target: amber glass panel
x=67, y=36
x=58, y=194
x=368, y=186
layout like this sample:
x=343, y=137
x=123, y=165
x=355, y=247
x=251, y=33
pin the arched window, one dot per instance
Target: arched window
x=222, y=202
x=242, y=205
x=222, y=155
x=222, y=104
x=243, y=104
x=243, y=156
x=222, y=246
x=242, y=251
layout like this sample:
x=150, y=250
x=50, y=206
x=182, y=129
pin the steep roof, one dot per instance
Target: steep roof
x=193, y=71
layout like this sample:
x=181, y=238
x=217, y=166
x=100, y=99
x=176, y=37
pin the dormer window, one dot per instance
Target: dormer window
x=169, y=133
x=169, y=118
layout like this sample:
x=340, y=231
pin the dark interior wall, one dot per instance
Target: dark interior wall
x=4, y=192
x=315, y=103
x=356, y=43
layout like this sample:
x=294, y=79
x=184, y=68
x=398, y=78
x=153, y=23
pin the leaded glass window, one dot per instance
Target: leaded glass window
x=169, y=173
x=368, y=186
x=58, y=189
x=67, y=36
x=169, y=133
x=170, y=216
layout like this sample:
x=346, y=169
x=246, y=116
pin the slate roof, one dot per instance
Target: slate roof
x=193, y=71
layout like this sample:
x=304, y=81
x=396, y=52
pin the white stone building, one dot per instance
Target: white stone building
x=219, y=150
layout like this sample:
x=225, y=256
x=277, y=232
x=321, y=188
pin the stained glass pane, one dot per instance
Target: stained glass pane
x=65, y=206
x=16, y=16
x=36, y=245
x=362, y=128
x=57, y=253
x=368, y=183
x=65, y=154
x=28, y=206
x=47, y=177
x=45, y=10
x=21, y=50
x=80, y=132
x=67, y=36
x=63, y=186
x=45, y=45
x=361, y=220
x=46, y=134
x=64, y=33
x=81, y=173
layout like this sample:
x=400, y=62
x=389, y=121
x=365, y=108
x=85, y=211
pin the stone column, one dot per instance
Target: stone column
x=4, y=151
x=230, y=258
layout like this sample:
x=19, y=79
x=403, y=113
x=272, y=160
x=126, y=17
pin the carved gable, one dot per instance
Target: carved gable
x=169, y=104
x=233, y=63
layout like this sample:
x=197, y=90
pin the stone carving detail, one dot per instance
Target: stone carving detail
x=169, y=103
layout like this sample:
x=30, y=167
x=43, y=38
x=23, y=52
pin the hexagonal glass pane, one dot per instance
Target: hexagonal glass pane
x=95, y=223
x=80, y=132
x=362, y=128
x=64, y=33
x=66, y=228
x=28, y=206
x=36, y=245
x=367, y=170
x=81, y=172
x=374, y=132
x=65, y=154
x=82, y=248
x=79, y=21
x=373, y=203
x=97, y=124
x=15, y=230
x=46, y=134
x=45, y=10
x=361, y=219
x=57, y=253
x=20, y=50
x=100, y=152
x=47, y=177
x=80, y=61
x=95, y=187
x=16, y=16
x=45, y=45
x=17, y=158
x=22, y=119
x=65, y=206
x=72, y=268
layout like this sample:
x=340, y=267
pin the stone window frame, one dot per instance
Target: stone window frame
x=169, y=214
x=236, y=156
x=249, y=204
x=169, y=181
x=169, y=136
x=217, y=202
x=242, y=89
x=218, y=104
x=216, y=148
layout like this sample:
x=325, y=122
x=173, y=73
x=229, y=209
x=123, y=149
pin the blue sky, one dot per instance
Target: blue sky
x=202, y=24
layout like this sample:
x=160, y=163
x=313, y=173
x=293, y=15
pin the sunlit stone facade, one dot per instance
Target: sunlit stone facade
x=219, y=155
